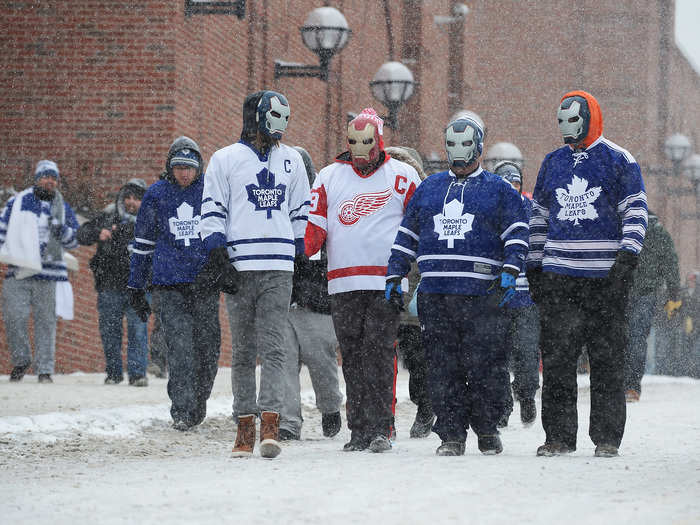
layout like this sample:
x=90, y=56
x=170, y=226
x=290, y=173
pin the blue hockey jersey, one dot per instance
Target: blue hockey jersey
x=587, y=205
x=166, y=236
x=461, y=232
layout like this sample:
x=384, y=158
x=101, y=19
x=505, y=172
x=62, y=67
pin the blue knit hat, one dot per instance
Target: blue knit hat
x=46, y=168
x=185, y=157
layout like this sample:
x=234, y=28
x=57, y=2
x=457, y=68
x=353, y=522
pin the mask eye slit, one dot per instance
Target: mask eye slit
x=275, y=114
x=352, y=141
x=573, y=119
x=367, y=141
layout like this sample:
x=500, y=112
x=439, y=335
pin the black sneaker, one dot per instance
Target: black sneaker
x=18, y=373
x=45, y=378
x=356, y=444
x=331, y=423
x=111, y=380
x=181, y=425
x=451, y=448
x=423, y=424
x=490, y=444
x=528, y=411
x=605, y=451
x=287, y=435
x=380, y=444
x=554, y=449
x=138, y=380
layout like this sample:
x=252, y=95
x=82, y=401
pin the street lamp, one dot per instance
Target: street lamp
x=325, y=32
x=503, y=151
x=392, y=85
x=691, y=169
x=676, y=148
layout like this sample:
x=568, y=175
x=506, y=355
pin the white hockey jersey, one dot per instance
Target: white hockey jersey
x=361, y=216
x=256, y=204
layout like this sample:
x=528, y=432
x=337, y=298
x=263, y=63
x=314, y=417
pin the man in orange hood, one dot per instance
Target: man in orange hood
x=589, y=219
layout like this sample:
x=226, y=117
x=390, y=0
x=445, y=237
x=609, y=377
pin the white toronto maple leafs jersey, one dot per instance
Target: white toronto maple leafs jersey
x=256, y=205
x=586, y=207
x=361, y=216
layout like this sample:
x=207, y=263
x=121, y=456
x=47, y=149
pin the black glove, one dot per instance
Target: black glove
x=393, y=294
x=217, y=274
x=535, y=279
x=137, y=300
x=620, y=275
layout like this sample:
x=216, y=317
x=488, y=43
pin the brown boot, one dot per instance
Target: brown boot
x=245, y=437
x=269, y=434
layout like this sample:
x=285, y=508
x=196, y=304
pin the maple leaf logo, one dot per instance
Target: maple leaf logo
x=362, y=205
x=577, y=203
x=265, y=195
x=184, y=226
x=453, y=224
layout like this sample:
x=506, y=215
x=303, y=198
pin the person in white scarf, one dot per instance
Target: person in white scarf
x=36, y=225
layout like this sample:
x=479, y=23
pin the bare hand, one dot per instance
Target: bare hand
x=106, y=234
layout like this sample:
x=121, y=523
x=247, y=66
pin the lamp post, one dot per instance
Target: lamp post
x=392, y=85
x=325, y=32
x=691, y=169
x=676, y=148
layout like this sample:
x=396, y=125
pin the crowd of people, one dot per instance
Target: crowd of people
x=459, y=273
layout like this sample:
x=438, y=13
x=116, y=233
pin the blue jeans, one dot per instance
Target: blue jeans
x=112, y=306
x=640, y=315
x=523, y=344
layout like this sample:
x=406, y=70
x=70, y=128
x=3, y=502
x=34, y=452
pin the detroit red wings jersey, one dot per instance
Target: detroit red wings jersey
x=360, y=216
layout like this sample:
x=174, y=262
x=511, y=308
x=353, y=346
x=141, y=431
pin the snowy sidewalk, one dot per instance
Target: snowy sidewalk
x=78, y=450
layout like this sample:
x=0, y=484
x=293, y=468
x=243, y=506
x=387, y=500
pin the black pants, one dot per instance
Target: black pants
x=366, y=328
x=464, y=342
x=411, y=348
x=193, y=339
x=577, y=312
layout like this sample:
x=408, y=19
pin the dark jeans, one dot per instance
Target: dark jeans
x=639, y=315
x=158, y=347
x=411, y=348
x=463, y=338
x=112, y=306
x=577, y=312
x=366, y=327
x=523, y=344
x=193, y=339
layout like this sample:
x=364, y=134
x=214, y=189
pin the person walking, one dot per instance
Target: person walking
x=589, y=218
x=113, y=231
x=254, y=212
x=36, y=226
x=467, y=229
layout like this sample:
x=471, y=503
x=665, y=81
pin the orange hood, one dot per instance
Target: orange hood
x=595, y=126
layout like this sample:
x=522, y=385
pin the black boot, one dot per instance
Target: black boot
x=528, y=411
x=490, y=445
x=331, y=423
x=18, y=373
x=423, y=423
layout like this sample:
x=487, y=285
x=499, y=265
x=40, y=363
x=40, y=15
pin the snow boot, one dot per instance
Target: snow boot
x=528, y=411
x=554, y=449
x=330, y=424
x=451, y=448
x=423, y=423
x=490, y=444
x=380, y=444
x=45, y=379
x=245, y=437
x=18, y=373
x=356, y=443
x=605, y=451
x=269, y=435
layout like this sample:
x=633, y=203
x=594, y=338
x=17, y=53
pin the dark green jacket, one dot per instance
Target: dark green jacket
x=658, y=263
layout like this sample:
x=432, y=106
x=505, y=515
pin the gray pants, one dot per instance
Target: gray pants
x=258, y=319
x=190, y=322
x=19, y=298
x=311, y=341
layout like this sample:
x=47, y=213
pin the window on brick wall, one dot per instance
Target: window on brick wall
x=207, y=7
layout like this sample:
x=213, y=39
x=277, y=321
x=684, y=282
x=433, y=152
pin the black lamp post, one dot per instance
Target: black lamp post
x=325, y=32
x=676, y=148
x=392, y=85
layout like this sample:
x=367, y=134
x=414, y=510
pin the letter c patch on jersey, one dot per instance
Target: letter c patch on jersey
x=401, y=184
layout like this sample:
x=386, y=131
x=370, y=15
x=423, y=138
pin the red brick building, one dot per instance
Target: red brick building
x=103, y=87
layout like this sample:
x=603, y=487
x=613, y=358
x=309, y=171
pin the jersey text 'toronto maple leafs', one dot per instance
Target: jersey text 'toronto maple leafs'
x=577, y=202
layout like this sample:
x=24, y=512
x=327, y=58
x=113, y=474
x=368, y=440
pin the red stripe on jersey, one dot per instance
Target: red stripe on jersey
x=313, y=239
x=409, y=194
x=356, y=270
x=319, y=202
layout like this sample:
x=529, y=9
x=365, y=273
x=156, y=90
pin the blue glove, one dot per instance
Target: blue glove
x=393, y=293
x=508, y=287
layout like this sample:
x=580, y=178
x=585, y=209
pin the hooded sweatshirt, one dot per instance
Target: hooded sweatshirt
x=589, y=203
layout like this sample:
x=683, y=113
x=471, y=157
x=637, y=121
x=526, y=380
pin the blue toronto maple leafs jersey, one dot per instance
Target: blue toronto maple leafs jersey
x=166, y=236
x=256, y=205
x=586, y=207
x=462, y=233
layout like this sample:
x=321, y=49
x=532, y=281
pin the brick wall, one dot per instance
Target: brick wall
x=104, y=86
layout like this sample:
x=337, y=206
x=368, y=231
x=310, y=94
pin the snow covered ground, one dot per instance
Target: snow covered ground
x=79, y=451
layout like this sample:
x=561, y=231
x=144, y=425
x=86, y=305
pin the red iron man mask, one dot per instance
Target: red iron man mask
x=365, y=139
